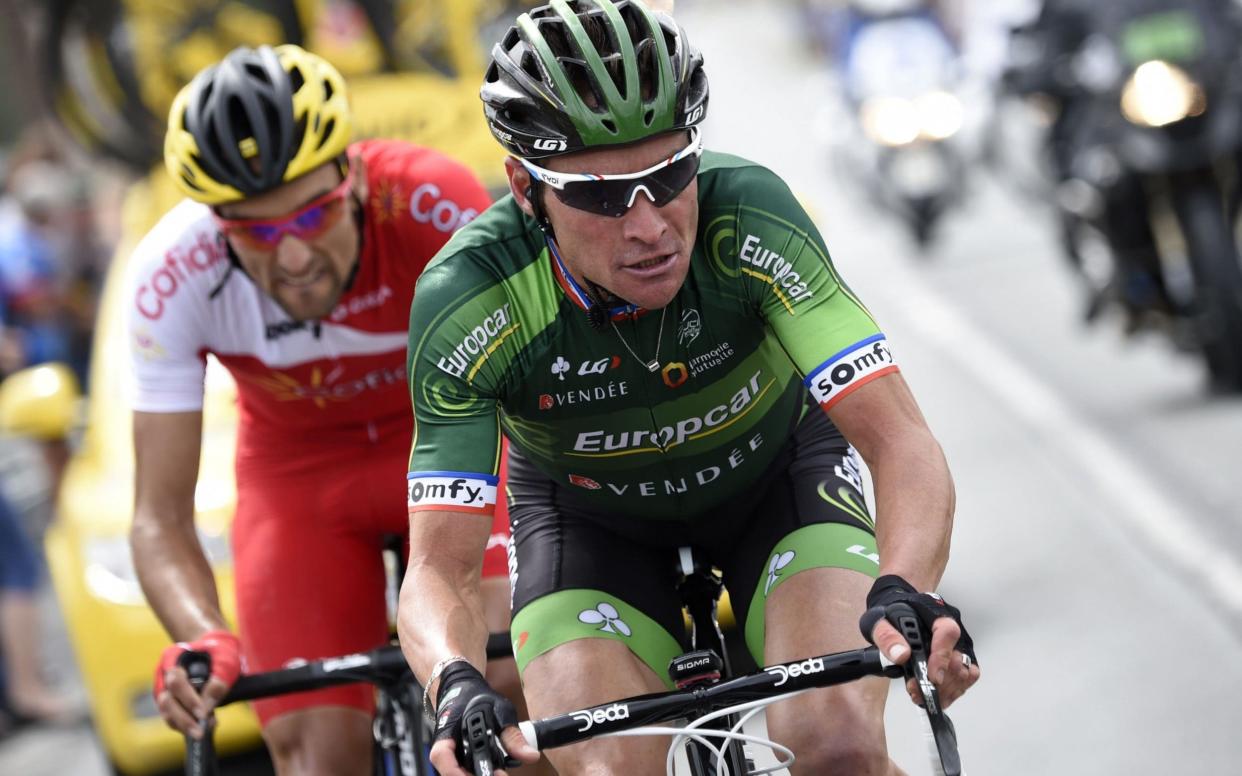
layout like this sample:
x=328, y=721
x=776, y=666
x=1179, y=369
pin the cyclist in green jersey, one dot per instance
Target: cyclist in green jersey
x=653, y=326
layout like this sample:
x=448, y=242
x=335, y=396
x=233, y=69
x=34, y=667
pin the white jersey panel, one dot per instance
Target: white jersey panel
x=175, y=321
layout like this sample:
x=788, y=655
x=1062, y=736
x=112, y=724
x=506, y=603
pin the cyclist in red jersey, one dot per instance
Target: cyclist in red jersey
x=293, y=263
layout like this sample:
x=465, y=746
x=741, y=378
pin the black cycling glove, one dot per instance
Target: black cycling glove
x=459, y=684
x=891, y=589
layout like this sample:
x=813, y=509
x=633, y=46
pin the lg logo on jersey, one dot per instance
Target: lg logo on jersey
x=428, y=207
x=588, y=367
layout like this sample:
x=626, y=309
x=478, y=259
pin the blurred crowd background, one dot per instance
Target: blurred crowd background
x=1131, y=152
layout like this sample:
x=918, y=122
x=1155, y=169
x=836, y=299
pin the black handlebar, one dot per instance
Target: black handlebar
x=769, y=682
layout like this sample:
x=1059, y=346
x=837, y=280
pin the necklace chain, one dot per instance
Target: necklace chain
x=654, y=364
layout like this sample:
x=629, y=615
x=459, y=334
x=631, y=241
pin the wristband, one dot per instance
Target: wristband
x=436, y=670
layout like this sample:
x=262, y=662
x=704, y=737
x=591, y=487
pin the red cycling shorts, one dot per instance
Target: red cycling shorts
x=307, y=553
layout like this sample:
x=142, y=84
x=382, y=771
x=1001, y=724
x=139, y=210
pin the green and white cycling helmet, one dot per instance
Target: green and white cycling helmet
x=577, y=74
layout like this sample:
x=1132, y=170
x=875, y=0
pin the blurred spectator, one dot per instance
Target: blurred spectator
x=50, y=266
x=51, y=260
x=25, y=695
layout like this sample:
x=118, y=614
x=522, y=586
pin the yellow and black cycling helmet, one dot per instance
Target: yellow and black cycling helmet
x=259, y=118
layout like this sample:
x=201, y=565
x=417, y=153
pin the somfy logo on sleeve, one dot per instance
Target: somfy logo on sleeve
x=857, y=364
x=458, y=491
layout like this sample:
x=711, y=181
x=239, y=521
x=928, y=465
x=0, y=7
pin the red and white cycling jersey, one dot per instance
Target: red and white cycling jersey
x=325, y=381
x=325, y=415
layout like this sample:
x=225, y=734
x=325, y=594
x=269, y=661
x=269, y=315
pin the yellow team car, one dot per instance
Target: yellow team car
x=115, y=636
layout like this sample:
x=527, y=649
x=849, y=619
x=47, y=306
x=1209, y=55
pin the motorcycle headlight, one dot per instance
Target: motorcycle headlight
x=890, y=121
x=1159, y=93
x=940, y=115
x=893, y=121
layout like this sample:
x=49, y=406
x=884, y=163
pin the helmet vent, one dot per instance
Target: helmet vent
x=297, y=79
x=257, y=72
x=585, y=86
x=530, y=65
x=187, y=177
x=327, y=131
x=271, y=123
x=633, y=21
x=239, y=123
x=648, y=68
x=604, y=39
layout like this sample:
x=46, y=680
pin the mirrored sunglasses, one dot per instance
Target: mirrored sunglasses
x=306, y=223
x=614, y=195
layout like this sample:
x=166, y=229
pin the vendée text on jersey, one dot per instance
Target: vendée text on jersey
x=733, y=459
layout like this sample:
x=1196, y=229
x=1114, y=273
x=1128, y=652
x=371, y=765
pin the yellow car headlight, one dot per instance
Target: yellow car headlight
x=1159, y=93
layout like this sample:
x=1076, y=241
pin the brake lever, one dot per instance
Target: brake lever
x=480, y=734
x=906, y=622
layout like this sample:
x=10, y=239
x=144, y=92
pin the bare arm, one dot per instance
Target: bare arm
x=441, y=609
x=913, y=488
x=171, y=564
x=914, y=516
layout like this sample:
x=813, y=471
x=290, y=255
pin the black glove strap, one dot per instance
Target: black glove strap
x=928, y=607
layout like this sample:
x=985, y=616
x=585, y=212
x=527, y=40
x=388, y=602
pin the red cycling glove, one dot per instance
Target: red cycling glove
x=222, y=646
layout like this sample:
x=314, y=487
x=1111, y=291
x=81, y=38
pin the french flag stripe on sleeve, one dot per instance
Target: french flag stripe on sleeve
x=452, y=491
x=856, y=365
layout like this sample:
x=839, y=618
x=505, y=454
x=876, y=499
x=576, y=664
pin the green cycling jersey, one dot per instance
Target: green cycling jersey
x=762, y=329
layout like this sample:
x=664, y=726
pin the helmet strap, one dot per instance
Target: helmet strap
x=360, y=223
x=234, y=264
x=597, y=312
x=534, y=196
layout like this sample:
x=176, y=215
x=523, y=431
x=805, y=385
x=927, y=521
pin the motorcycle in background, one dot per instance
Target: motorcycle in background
x=899, y=73
x=1145, y=143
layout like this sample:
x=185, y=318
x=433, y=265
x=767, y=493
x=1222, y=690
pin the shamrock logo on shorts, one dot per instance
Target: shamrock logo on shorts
x=608, y=615
x=778, y=562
